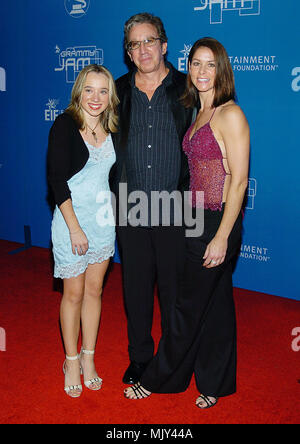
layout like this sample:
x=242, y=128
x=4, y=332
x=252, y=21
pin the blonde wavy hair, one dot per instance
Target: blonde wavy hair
x=109, y=117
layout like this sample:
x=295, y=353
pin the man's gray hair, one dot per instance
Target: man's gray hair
x=141, y=18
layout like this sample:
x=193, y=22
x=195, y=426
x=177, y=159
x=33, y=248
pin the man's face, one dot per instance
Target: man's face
x=146, y=59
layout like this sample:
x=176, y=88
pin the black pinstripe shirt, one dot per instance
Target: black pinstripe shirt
x=153, y=151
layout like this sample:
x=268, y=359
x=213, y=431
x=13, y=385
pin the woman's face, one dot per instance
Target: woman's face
x=203, y=69
x=95, y=94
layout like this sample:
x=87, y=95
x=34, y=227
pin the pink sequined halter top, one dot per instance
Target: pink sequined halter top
x=207, y=172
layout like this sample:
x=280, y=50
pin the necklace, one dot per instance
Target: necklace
x=93, y=131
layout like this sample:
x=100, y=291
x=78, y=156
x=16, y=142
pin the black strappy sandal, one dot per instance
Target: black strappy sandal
x=138, y=391
x=209, y=403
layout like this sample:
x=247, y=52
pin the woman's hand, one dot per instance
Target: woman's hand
x=215, y=252
x=79, y=242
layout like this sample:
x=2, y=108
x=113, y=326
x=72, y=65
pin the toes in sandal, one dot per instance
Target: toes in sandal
x=209, y=403
x=94, y=383
x=138, y=390
x=74, y=391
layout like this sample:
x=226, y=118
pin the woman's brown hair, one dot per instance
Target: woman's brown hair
x=224, y=81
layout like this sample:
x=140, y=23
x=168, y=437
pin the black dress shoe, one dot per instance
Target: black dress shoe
x=134, y=372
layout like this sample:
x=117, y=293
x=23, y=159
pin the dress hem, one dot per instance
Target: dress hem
x=81, y=266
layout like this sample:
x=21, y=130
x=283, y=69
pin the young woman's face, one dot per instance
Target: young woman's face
x=203, y=69
x=95, y=94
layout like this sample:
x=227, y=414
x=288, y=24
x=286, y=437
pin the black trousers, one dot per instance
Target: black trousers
x=201, y=338
x=149, y=256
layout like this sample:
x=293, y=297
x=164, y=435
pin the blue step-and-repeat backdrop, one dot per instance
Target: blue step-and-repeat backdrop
x=44, y=44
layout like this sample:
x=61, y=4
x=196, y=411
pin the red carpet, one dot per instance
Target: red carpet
x=31, y=388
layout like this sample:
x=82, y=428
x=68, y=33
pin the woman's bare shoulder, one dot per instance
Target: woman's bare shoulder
x=231, y=114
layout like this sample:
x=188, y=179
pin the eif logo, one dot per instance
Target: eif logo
x=77, y=8
x=183, y=60
x=296, y=80
x=51, y=112
x=2, y=79
x=2, y=340
x=217, y=7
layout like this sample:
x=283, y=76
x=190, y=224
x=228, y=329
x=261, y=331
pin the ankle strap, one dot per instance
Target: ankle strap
x=72, y=358
x=88, y=352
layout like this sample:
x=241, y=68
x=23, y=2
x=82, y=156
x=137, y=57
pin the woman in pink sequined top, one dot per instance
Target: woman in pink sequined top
x=217, y=144
x=202, y=336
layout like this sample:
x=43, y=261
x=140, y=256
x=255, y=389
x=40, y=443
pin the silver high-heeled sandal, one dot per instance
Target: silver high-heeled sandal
x=90, y=384
x=74, y=391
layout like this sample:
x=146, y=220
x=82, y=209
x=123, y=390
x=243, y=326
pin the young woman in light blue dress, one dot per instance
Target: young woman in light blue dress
x=80, y=156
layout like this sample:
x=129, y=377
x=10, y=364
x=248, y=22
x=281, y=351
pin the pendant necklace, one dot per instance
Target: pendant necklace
x=93, y=131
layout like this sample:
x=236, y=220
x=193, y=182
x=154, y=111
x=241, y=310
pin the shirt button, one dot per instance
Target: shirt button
x=149, y=146
x=150, y=126
x=149, y=166
x=150, y=107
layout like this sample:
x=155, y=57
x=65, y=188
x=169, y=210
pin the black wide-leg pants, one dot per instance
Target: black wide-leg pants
x=201, y=338
x=149, y=256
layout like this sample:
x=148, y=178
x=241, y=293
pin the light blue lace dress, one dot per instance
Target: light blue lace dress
x=91, y=201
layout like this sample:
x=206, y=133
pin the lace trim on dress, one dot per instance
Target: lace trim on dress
x=104, y=151
x=74, y=270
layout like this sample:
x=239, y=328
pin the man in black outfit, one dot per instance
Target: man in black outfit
x=149, y=158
